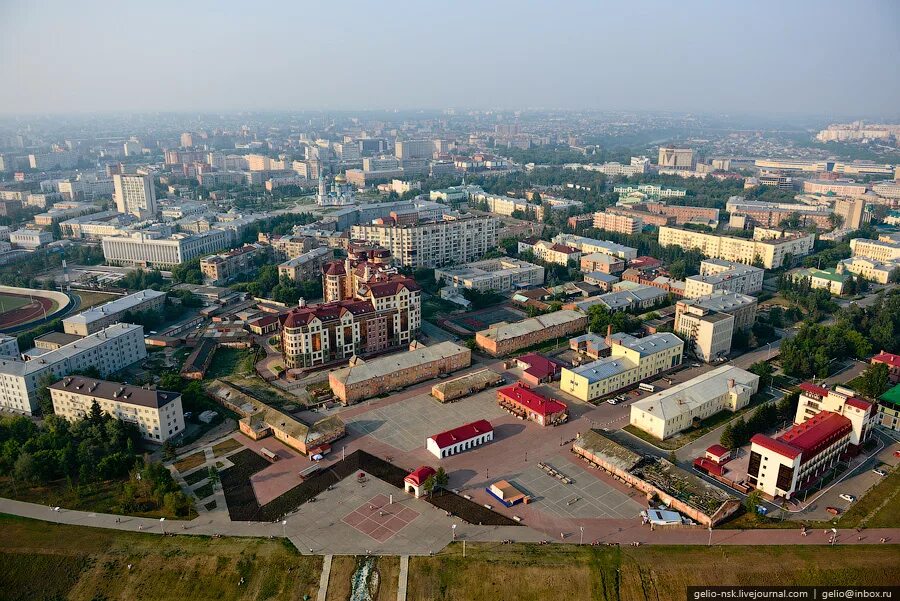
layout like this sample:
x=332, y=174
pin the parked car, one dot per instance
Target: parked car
x=612, y=401
x=833, y=510
x=848, y=498
x=880, y=472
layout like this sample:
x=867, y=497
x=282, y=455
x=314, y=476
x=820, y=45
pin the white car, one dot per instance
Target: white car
x=848, y=498
x=880, y=472
x=612, y=401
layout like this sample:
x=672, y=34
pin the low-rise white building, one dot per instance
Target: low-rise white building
x=719, y=274
x=708, y=332
x=499, y=275
x=668, y=412
x=157, y=414
x=457, y=440
x=100, y=316
x=30, y=239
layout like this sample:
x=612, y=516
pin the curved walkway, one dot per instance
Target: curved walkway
x=606, y=531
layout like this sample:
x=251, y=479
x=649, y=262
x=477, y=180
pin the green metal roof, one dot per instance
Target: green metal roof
x=892, y=396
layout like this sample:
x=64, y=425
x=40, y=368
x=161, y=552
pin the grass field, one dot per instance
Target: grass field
x=225, y=447
x=190, y=462
x=8, y=302
x=343, y=567
x=44, y=562
x=103, y=497
x=493, y=572
x=90, y=299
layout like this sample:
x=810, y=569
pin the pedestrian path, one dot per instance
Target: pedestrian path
x=323, y=578
x=404, y=576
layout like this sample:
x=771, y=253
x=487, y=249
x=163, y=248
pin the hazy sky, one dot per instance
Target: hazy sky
x=818, y=57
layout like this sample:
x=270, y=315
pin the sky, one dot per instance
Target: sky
x=750, y=56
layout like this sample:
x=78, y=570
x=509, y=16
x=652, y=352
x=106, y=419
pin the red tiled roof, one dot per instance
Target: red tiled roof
x=392, y=287
x=539, y=366
x=333, y=268
x=264, y=320
x=709, y=466
x=526, y=397
x=644, y=262
x=816, y=433
x=326, y=312
x=889, y=358
x=859, y=403
x=562, y=248
x=717, y=450
x=776, y=446
x=419, y=475
x=810, y=387
x=451, y=437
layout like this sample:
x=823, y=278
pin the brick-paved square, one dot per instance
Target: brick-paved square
x=378, y=519
x=406, y=424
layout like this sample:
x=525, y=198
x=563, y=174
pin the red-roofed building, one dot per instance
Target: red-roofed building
x=893, y=364
x=460, y=439
x=815, y=398
x=782, y=466
x=415, y=482
x=719, y=454
x=526, y=403
x=550, y=252
x=537, y=369
x=642, y=263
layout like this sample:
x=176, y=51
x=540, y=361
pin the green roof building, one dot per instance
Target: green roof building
x=889, y=409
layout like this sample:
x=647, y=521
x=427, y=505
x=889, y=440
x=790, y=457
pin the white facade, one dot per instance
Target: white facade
x=717, y=274
x=135, y=194
x=9, y=346
x=141, y=250
x=30, y=239
x=771, y=252
x=98, y=317
x=668, y=412
x=109, y=350
x=499, y=275
x=157, y=414
x=707, y=331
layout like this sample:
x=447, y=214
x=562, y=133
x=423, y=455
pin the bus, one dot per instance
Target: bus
x=646, y=387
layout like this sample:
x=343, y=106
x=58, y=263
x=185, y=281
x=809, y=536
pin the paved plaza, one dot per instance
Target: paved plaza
x=406, y=425
x=586, y=497
x=379, y=518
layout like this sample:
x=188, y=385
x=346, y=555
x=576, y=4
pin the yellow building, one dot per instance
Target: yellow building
x=632, y=360
x=771, y=251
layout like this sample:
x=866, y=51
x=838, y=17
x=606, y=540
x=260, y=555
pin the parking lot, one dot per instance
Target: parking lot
x=405, y=425
x=586, y=497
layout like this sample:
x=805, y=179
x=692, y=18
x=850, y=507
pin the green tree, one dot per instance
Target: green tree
x=764, y=370
x=752, y=502
x=42, y=392
x=95, y=416
x=727, y=437
x=874, y=381
x=441, y=478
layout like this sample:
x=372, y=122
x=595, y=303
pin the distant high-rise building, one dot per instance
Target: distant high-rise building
x=135, y=194
x=414, y=149
x=676, y=158
x=187, y=140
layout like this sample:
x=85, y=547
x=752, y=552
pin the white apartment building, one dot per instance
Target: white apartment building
x=592, y=245
x=506, y=206
x=109, y=350
x=451, y=239
x=872, y=270
x=771, y=251
x=668, y=412
x=157, y=414
x=650, y=190
x=499, y=275
x=101, y=316
x=718, y=274
x=30, y=239
x=638, y=166
x=135, y=194
x=141, y=250
x=632, y=360
x=613, y=222
x=708, y=332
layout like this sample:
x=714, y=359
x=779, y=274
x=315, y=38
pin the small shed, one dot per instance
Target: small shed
x=415, y=481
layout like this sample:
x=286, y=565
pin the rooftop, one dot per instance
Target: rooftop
x=113, y=391
x=382, y=366
x=507, y=331
x=115, y=306
x=461, y=433
x=687, y=396
x=531, y=400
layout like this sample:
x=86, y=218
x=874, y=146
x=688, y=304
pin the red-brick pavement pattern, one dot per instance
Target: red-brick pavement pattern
x=380, y=520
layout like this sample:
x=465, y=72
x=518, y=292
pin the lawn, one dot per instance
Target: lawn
x=195, y=477
x=8, y=302
x=190, y=462
x=49, y=562
x=225, y=447
x=90, y=299
x=229, y=361
x=493, y=572
x=102, y=497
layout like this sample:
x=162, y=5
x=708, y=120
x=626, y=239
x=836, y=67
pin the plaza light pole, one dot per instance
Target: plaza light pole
x=581, y=542
x=709, y=544
x=453, y=529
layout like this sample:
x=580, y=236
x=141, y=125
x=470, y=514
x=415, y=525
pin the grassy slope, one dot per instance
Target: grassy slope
x=79, y=563
x=527, y=572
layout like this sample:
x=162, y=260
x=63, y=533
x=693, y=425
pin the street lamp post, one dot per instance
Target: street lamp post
x=453, y=529
x=709, y=543
x=581, y=540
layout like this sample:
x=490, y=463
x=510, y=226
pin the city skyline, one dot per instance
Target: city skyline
x=762, y=58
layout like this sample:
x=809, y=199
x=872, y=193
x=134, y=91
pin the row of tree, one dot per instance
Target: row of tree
x=765, y=418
